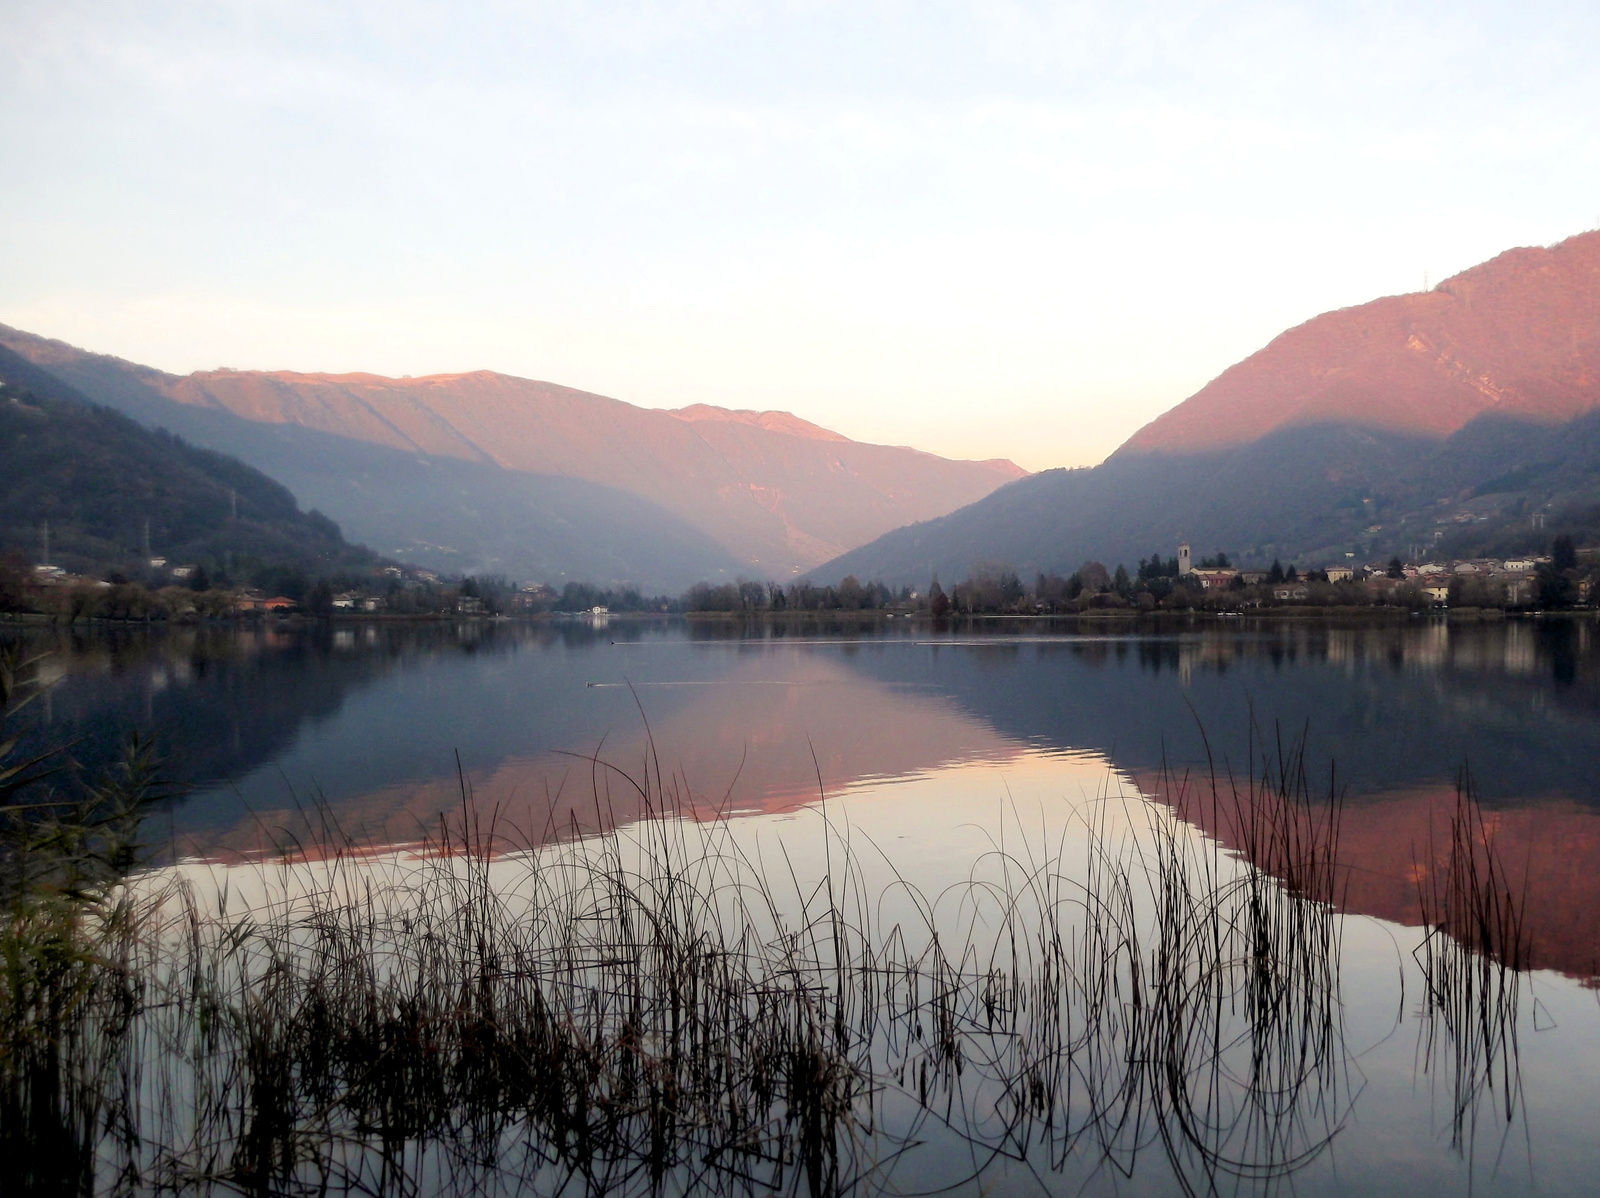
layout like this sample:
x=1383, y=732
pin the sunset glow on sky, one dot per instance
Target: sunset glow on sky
x=984, y=229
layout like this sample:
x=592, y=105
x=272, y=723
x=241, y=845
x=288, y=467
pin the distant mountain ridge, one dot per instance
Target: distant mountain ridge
x=773, y=422
x=1417, y=423
x=543, y=480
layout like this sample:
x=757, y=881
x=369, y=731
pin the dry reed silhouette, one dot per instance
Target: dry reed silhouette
x=1474, y=957
x=662, y=1009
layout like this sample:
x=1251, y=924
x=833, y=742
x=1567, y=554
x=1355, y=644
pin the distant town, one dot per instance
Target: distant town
x=1564, y=578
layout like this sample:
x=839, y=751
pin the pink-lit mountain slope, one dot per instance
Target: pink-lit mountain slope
x=776, y=493
x=1518, y=336
x=1465, y=419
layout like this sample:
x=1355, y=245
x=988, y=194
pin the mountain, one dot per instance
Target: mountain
x=1442, y=420
x=105, y=484
x=1517, y=337
x=484, y=471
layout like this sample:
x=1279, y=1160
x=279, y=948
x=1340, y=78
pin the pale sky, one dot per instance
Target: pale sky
x=984, y=229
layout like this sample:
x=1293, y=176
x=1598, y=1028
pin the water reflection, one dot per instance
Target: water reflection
x=924, y=741
x=739, y=742
x=365, y=721
x=1108, y=1004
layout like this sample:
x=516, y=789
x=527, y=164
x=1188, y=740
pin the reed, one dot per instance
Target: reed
x=1474, y=958
x=670, y=1008
x=64, y=1001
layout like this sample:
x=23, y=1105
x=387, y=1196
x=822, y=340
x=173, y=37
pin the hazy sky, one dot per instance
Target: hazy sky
x=979, y=228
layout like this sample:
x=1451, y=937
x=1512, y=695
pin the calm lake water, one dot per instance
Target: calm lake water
x=930, y=740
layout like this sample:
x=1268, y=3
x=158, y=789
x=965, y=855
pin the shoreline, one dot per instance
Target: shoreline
x=1374, y=614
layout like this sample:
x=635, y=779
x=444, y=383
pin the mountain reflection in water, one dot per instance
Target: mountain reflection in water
x=274, y=730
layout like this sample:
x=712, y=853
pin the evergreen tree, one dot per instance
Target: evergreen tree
x=1564, y=554
x=1011, y=588
x=319, y=602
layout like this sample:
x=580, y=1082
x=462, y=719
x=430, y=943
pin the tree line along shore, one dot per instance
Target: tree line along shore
x=1565, y=579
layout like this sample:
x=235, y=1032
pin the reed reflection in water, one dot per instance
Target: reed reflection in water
x=1046, y=995
x=1438, y=1061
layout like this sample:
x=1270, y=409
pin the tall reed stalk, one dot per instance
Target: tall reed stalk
x=1474, y=957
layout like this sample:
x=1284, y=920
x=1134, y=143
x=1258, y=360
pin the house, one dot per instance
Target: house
x=1339, y=573
x=1253, y=578
x=1439, y=594
x=1214, y=579
x=345, y=601
x=532, y=598
x=248, y=601
x=373, y=603
x=1290, y=590
x=182, y=572
x=469, y=605
x=278, y=603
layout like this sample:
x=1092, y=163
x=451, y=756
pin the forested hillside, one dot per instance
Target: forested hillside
x=105, y=488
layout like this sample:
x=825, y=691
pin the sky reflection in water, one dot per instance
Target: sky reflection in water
x=923, y=741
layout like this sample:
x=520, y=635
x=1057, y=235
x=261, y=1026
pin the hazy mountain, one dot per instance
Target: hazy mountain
x=1443, y=419
x=105, y=484
x=485, y=471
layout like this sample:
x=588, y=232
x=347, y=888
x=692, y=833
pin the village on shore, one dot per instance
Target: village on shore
x=1473, y=582
x=1564, y=578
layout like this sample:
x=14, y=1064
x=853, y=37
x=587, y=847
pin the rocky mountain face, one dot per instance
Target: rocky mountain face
x=484, y=471
x=1443, y=421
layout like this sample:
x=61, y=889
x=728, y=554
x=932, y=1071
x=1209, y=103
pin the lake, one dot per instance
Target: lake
x=935, y=744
